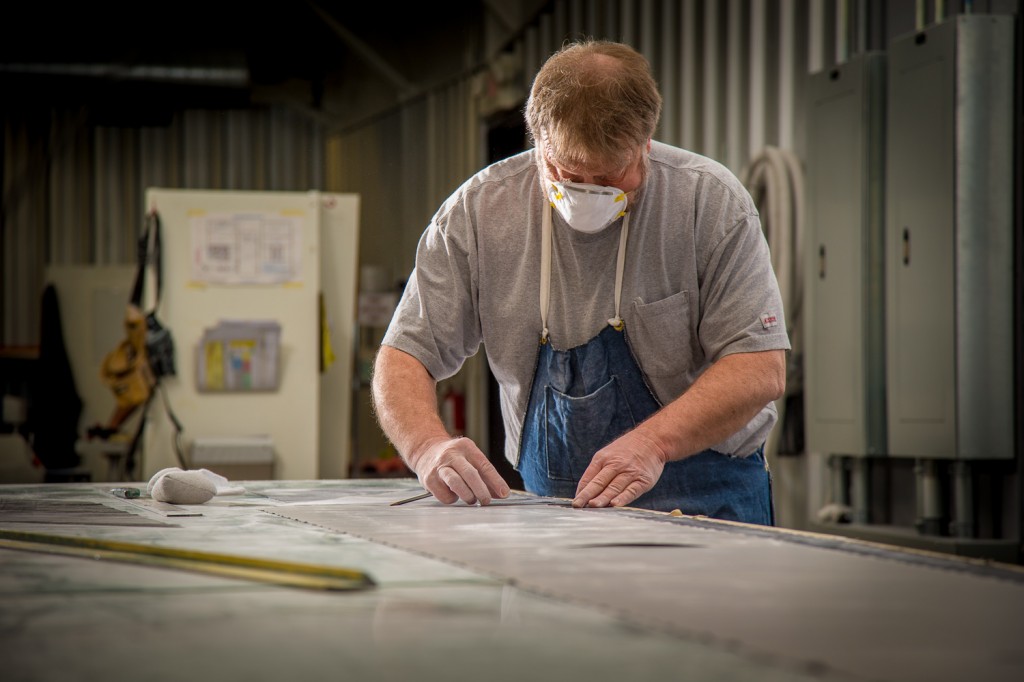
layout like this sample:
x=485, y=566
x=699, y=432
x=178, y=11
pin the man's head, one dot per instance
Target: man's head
x=593, y=109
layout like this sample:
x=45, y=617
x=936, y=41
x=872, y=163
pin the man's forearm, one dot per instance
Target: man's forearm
x=405, y=401
x=722, y=400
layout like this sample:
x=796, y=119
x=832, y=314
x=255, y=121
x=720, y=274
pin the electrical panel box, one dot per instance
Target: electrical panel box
x=844, y=259
x=949, y=241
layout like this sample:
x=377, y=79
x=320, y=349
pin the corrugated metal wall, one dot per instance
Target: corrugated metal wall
x=728, y=70
x=73, y=192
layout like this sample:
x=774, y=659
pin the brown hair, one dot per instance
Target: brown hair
x=593, y=105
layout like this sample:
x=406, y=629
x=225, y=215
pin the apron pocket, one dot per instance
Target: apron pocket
x=576, y=428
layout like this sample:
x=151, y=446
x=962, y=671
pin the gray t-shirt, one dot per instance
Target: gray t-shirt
x=698, y=282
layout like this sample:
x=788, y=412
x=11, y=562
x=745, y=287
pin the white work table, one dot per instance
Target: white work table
x=523, y=590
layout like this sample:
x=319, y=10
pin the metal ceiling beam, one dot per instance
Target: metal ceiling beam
x=365, y=52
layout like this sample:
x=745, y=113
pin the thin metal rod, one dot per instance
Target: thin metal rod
x=421, y=496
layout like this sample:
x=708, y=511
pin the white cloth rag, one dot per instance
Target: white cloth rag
x=195, y=486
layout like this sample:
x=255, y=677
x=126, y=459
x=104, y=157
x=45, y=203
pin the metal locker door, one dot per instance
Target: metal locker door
x=949, y=240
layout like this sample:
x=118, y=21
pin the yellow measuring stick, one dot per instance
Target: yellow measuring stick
x=287, y=573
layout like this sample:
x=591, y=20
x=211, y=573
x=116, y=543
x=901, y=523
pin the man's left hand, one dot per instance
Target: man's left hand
x=620, y=472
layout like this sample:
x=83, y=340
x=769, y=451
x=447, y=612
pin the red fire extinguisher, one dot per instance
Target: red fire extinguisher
x=453, y=411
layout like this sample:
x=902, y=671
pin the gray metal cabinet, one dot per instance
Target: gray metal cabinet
x=949, y=245
x=845, y=366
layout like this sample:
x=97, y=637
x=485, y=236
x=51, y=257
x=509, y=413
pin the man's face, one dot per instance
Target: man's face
x=628, y=179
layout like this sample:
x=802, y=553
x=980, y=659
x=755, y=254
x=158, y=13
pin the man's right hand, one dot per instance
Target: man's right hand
x=455, y=469
x=405, y=400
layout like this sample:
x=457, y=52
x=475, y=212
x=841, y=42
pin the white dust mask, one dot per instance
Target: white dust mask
x=587, y=208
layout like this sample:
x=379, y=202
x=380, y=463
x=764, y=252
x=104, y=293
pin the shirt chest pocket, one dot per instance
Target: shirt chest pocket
x=661, y=336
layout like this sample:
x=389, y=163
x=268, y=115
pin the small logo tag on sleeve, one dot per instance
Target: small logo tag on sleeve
x=769, y=320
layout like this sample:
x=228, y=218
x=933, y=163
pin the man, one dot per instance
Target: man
x=623, y=292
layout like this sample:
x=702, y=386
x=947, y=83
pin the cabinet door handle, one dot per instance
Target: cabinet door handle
x=906, y=246
x=821, y=262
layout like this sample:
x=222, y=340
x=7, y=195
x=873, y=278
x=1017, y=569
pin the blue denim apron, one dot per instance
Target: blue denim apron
x=586, y=397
